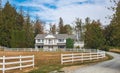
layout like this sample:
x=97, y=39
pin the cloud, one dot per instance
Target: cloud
x=51, y=10
x=69, y=11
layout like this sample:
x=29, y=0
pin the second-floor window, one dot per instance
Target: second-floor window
x=40, y=40
x=60, y=40
x=50, y=41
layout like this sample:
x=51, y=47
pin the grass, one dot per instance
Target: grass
x=58, y=66
x=115, y=50
x=45, y=62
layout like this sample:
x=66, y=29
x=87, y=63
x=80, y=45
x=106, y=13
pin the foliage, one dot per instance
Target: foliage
x=112, y=31
x=69, y=43
x=61, y=26
x=53, y=29
x=79, y=29
x=77, y=47
x=8, y=24
x=93, y=35
x=15, y=29
x=67, y=29
x=64, y=29
x=105, y=48
x=38, y=27
x=18, y=39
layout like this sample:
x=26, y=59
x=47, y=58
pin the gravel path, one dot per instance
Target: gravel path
x=111, y=66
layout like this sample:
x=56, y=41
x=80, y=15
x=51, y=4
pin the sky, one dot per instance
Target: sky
x=51, y=10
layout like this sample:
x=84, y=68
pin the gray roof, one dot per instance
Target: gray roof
x=58, y=36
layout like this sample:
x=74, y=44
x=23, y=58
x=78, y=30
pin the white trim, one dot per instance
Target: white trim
x=50, y=36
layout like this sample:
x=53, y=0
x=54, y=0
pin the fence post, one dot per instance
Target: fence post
x=90, y=56
x=20, y=62
x=3, y=70
x=97, y=55
x=72, y=57
x=82, y=57
x=61, y=58
x=103, y=54
x=33, y=61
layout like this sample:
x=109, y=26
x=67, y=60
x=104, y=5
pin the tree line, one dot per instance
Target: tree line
x=18, y=30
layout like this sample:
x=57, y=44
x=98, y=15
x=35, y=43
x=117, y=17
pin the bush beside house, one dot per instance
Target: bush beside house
x=69, y=43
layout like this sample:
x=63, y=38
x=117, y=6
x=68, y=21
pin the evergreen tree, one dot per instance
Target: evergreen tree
x=68, y=29
x=61, y=26
x=53, y=29
x=94, y=36
x=29, y=36
x=1, y=22
x=9, y=24
x=87, y=21
x=79, y=29
x=38, y=27
x=18, y=39
x=20, y=19
x=113, y=30
x=15, y=30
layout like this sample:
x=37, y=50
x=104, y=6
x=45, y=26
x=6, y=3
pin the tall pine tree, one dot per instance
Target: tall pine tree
x=79, y=29
x=38, y=27
x=1, y=22
x=9, y=19
x=29, y=36
x=113, y=37
x=61, y=26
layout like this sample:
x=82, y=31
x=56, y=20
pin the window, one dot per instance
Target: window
x=49, y=40
x=38, y=40
x=40, y=46
x=61, y=40
x=42, y=40
x=61, y=46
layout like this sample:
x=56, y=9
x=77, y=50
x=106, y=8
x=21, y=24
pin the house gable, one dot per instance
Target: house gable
x=50, y=36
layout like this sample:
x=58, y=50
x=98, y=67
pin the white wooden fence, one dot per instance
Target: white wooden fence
x=81, y=56
x=16, y=62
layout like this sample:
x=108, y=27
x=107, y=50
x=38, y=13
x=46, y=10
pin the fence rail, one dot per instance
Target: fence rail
x=81, y=56
x=41, y=49
x=16, y=62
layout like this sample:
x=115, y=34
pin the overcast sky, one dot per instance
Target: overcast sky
x=50, y=10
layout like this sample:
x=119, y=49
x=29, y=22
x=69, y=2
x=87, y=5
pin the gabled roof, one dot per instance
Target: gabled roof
x=58, y=36
x=40, y=36
x=50, y=36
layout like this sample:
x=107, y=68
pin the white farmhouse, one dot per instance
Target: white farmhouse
x=52, y=41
